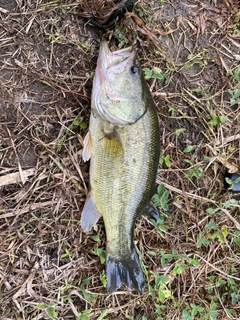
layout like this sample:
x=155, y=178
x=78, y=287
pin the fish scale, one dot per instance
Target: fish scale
x=122, y=202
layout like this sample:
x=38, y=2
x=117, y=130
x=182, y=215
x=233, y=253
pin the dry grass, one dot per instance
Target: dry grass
x=48, y=267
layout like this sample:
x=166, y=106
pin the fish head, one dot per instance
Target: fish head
x=118, y=86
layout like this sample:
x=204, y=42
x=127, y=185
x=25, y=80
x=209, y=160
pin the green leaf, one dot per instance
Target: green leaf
x=75, y=122
x=179, y=268
x=186, y=315
x=161, y=198
x=158, y=76
x=51, y=312
x=188, y=149
x=230, y=202
x=147, y=73
x=157, y=70
x=87, y=296
x=165, y=256
x=156, y=73
x=210, y=210
x=83, y=125
x=100, y=253
x=232, y=101
x=237, y=93
x=220, y=282
x=223, y=119
x=160, y=189
x=196, y=309
x=41, y=306
x=190, y=63
x=202, y=241
x=102, y=315
x=167, y=161
x=224, y=230
x=159, y=309
x=216, y=120
x=179, y=131
x=96, y=238
x=103, y=279
x=237, y=74
x=164, y=294
x=234, y=96
x=152, y=253
x=194, y=172
x=164, y=279
x=67, y=254
x=82, y=317
x=194, y=262
x=219, y=235
x=211, y=225
x=236, y=238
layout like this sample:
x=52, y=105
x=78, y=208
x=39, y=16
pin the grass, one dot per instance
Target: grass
x=49, y=268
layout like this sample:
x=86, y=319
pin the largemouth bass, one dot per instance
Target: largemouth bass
x=123, y=144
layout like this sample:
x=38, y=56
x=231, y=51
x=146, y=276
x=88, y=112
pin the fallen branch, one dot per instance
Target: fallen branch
x=16, y=177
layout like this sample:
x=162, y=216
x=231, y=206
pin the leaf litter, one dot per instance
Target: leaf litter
x=49, y=268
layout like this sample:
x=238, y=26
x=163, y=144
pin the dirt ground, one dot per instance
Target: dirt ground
x=49, y=268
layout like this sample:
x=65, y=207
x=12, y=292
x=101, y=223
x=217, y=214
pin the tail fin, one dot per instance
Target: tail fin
x=124, y=270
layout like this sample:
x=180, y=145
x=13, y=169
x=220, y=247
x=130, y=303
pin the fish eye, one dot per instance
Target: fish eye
x=134, y=70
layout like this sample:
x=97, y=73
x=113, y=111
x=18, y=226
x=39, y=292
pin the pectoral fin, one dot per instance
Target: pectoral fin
x=112, y=141
x=87, y=147
x=90, y=214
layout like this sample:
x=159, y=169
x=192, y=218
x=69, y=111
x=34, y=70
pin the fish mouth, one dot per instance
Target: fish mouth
x=117, y=60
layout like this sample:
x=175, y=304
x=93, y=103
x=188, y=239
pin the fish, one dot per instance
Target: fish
x=123, y=145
